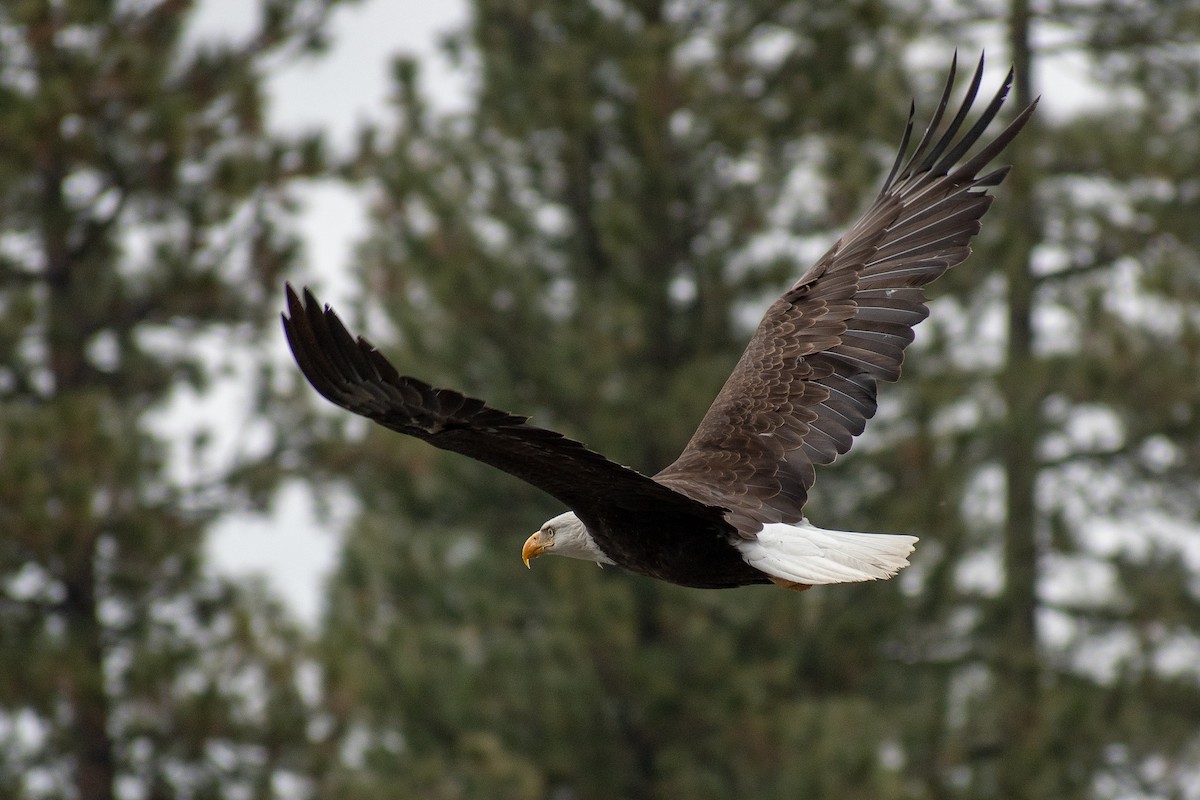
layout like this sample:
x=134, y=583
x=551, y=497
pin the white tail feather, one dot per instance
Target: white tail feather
x=807, y=554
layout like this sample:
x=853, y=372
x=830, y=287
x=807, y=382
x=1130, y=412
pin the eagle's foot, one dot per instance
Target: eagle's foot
x=791, y=586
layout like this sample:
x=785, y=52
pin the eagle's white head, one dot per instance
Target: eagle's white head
x=565, y=535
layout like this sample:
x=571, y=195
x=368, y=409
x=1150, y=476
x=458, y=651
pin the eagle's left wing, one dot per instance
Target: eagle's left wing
x=805, y=385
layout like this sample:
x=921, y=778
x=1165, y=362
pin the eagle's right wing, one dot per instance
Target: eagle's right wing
x=351, y=373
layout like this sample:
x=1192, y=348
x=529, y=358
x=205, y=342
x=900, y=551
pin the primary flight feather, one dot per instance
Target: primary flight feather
x=729, y=511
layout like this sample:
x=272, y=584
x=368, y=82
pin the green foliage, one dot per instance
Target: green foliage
x=141, y=204
x=1055, y=463
x=590, y=242
x=588, y=239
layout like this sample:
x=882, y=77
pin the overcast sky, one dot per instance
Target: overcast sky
x=335, y=93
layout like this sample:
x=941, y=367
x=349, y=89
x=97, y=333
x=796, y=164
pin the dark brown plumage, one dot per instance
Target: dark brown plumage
x=803, y=389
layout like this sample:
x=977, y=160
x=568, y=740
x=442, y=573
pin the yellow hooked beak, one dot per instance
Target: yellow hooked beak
x=534, y=547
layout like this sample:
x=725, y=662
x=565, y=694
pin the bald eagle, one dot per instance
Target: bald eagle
x=729, y=511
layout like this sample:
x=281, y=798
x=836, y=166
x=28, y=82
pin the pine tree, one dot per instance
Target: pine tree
x=141, y=203
x=590, y=243
x=1122, y=275
x=1044, y=438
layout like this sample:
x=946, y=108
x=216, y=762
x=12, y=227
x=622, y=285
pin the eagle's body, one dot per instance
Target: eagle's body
x=793, y=556
x=728, y=511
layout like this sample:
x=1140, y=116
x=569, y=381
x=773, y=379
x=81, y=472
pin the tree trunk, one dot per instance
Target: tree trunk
x=1017, y=667
x=83, y=668
x=94, y=767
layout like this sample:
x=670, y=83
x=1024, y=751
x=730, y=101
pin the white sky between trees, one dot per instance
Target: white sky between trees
x=336, y=93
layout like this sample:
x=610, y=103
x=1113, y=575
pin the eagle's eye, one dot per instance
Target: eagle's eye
x=548, y=530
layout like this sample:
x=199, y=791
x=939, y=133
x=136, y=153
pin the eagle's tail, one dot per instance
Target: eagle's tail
x=798, y=556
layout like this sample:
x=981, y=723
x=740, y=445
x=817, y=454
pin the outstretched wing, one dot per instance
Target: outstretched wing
x=805, y=385
x=351, y=373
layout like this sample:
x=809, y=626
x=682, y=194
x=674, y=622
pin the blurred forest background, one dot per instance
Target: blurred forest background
x=590, y=241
